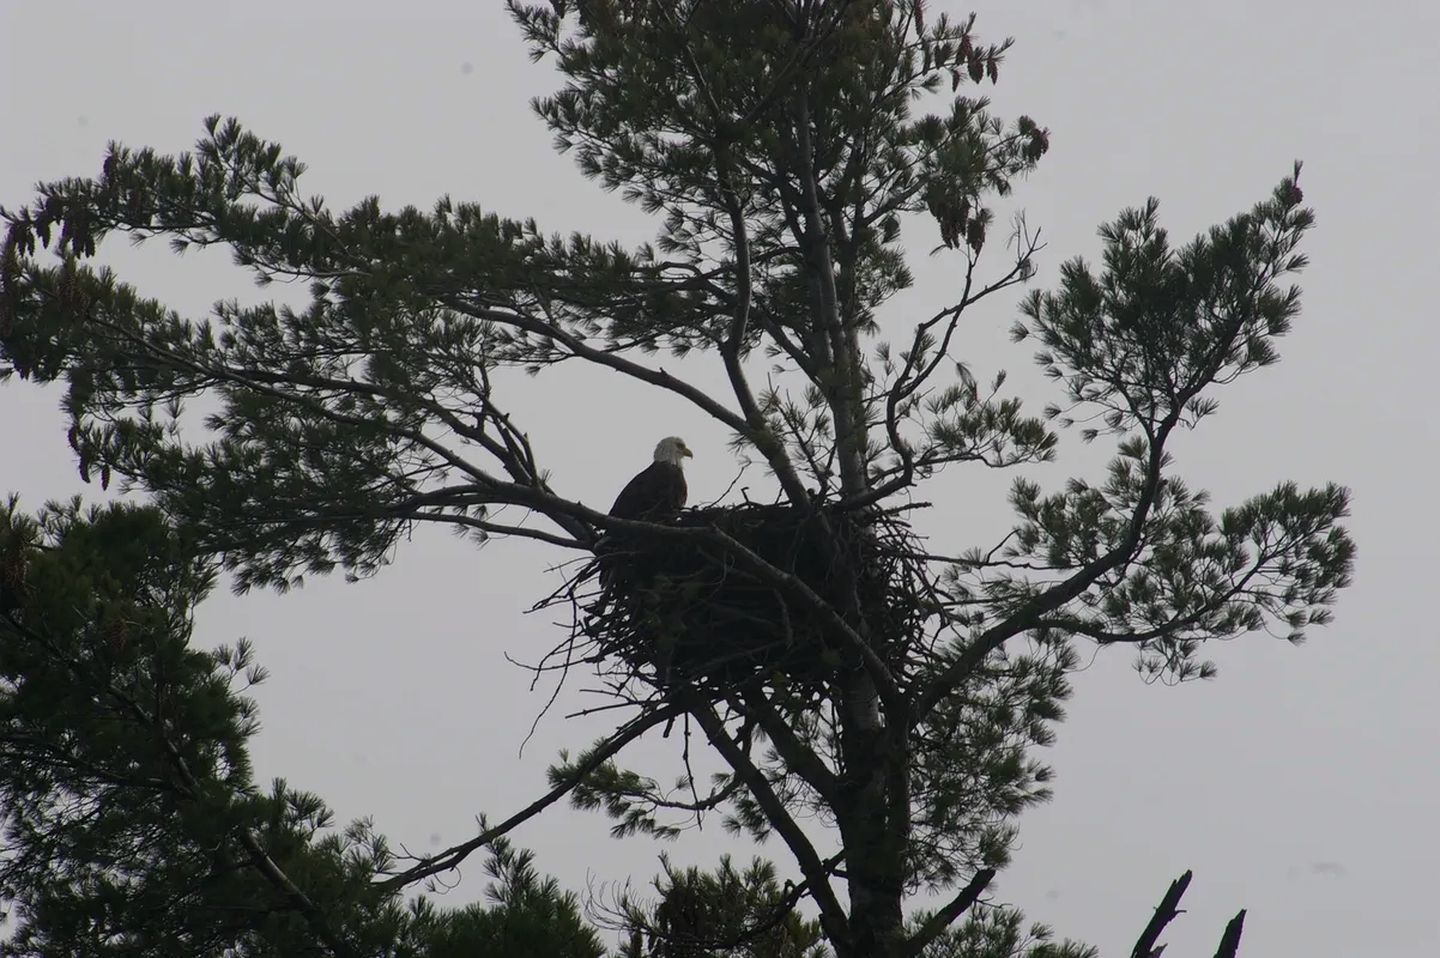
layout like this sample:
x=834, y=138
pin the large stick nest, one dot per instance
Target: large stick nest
x=683, y=610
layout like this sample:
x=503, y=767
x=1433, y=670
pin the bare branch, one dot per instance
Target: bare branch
x=1165, y=913
x=453, y=856
x=600, y=357
x=1230, y=941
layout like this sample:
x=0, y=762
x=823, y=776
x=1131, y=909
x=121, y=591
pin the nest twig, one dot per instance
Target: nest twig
x=670, y=611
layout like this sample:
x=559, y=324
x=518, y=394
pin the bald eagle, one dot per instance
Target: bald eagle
x=659, y=491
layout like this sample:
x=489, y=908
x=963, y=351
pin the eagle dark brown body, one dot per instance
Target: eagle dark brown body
x=659, y=491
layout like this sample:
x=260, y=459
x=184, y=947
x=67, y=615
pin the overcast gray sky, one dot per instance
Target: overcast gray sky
x=1300, y=783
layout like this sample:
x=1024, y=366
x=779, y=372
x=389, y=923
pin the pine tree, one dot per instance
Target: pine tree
x=130, y=823
x=781, y=148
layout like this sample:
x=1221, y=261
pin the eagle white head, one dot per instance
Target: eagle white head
x=672, y=450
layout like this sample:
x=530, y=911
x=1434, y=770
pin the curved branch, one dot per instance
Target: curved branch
x=583, y=350
x=1028, y=616
x=453, y=856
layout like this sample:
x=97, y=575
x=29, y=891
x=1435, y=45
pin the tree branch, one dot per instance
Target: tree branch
x=953, y=909
x=732, y=347
x=832, y=915
x=1230, y=941
x=801, y=758
x=1030, y=612
x=1165, y=913
x=583, y=350
x=843, y=395
x=453, y=856
x=912, y=379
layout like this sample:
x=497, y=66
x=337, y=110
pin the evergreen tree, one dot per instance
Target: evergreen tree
x=726, y=912
x=129, y=820
x=780, y=146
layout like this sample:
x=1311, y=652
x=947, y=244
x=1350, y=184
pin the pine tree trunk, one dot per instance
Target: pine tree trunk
x=873, y=835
